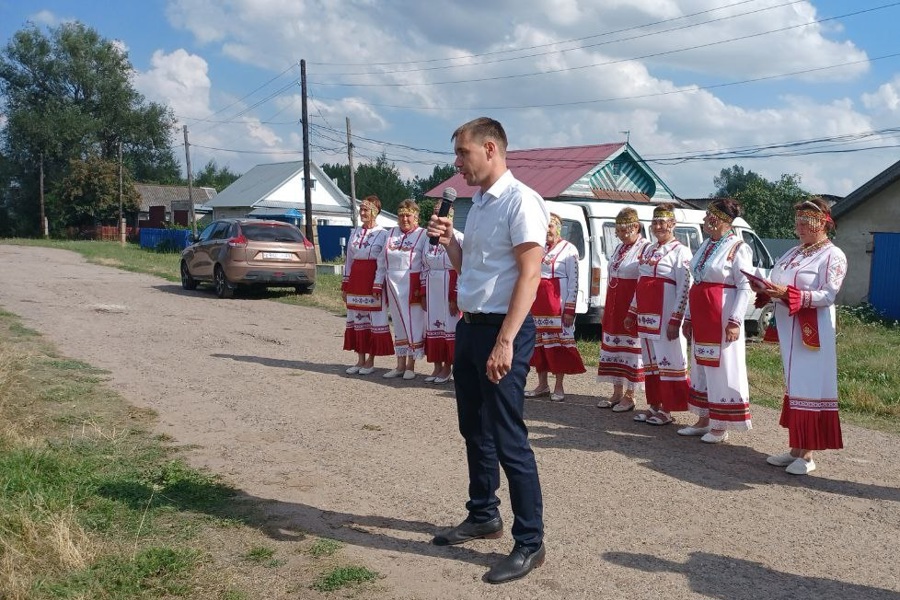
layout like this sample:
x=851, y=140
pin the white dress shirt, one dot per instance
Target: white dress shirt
x=507, y=215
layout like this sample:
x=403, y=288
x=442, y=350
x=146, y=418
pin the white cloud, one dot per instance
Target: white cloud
x=660, y=97
x=180, y=80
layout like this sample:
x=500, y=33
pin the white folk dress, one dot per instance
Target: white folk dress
x=439, y=288
x=555, y=350
x=719, y=296
x=367, y=330
x=810, y=408
x=399, y=277
x=621, y=361
x=660, y=299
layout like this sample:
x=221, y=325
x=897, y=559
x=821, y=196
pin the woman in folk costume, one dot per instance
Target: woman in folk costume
x=554, y=315
x=441, y=312
x=620, y=349
x=399, y=278
x=367, y=332
x=658, y=309
x=720, y=395
x=806, y=280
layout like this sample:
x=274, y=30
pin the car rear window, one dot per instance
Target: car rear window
x=271, y=233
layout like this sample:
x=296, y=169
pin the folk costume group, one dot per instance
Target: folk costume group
x=491, y=303
x=660, y=295
x=397, y=273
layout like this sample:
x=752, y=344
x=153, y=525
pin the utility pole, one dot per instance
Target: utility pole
x=307, y=184
x=190, y=180
x=44, y=229
x=352, y=177
x=121, y=212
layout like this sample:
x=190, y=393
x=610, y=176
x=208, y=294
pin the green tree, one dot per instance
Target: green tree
x=68, y=96
x=729, y=182
x=89, y=194
x=214, y=176
x=768, y=206
x=381, y=178
x=419, y=186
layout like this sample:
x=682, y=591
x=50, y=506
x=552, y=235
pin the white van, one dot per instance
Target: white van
x=591, y=227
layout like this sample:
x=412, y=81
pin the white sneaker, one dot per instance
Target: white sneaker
x=352, y=370
x=407, y=375
x=781, y=460
x=801, y=467
x=712, y=438
x=366, y=370
x=392, y=374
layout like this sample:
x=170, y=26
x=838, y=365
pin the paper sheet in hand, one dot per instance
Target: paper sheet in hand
x=757, y=280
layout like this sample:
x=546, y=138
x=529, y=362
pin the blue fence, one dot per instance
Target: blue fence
x=171, y=240
x=884, y=279
x=330, y=237
x=330, y=240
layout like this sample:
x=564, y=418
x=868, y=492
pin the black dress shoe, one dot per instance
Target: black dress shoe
x=468, y=530
x=518, y=564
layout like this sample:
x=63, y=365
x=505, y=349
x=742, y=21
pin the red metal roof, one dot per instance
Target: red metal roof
x=548, y=171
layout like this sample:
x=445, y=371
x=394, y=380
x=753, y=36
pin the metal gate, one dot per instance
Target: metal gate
x=884, y=279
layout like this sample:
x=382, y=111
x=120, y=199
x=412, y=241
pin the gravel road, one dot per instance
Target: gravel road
x=632, y=511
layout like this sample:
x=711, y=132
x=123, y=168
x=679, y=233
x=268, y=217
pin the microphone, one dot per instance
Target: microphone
x=446, y=203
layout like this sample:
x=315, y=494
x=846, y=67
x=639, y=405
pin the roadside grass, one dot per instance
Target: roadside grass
x=131, y=257
x=93, y=505
x=868, y=369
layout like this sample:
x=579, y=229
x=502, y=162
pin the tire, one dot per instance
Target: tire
x=765, y=319
x=187, y=281
x=223, y=288
x=305, y=289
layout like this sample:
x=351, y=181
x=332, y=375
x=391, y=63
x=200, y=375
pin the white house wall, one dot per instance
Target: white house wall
x=292, y=191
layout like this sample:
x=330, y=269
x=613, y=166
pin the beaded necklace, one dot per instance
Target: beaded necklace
x=801, y=252
x=698, y=268
x=621, y=252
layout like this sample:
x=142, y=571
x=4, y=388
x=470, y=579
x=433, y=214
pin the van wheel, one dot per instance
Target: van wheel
x=765, y=319
x=187, y=281
x=223, y=288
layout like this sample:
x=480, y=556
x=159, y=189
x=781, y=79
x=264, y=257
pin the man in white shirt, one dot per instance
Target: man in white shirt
x=499, y=267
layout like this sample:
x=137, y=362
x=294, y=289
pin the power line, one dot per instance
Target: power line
x=611, y=62
x=496, y=52
x=586, y=46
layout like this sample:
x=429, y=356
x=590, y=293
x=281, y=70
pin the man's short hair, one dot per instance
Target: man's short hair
x=481, y=129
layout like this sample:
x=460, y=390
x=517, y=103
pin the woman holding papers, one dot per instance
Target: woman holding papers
x=806, y=280
x=720, y=395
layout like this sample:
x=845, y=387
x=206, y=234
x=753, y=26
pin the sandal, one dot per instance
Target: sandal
x=643, y=416
x=608, y=403
x=537, y=393
x=660, y=418
x=623, y=407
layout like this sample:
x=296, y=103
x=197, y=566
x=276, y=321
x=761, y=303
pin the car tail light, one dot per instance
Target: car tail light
x=238, y=242
x=596, y=276
x=307, y=244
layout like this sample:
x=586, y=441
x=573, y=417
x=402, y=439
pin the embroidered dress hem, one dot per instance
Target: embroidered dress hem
x=671, y=395
x=439, y=349
x=559, y=360
x=811, y=428
x=366, y=341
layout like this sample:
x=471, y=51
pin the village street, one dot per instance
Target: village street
x=258, y=389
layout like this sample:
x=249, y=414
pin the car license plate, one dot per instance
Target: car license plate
x=277, y=255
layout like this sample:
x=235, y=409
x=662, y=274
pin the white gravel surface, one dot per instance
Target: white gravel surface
x=632, y=511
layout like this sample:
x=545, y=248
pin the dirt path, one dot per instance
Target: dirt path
x=631, y=511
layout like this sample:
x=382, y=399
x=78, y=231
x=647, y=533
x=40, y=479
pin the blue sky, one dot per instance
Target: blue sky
x=688, y=79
